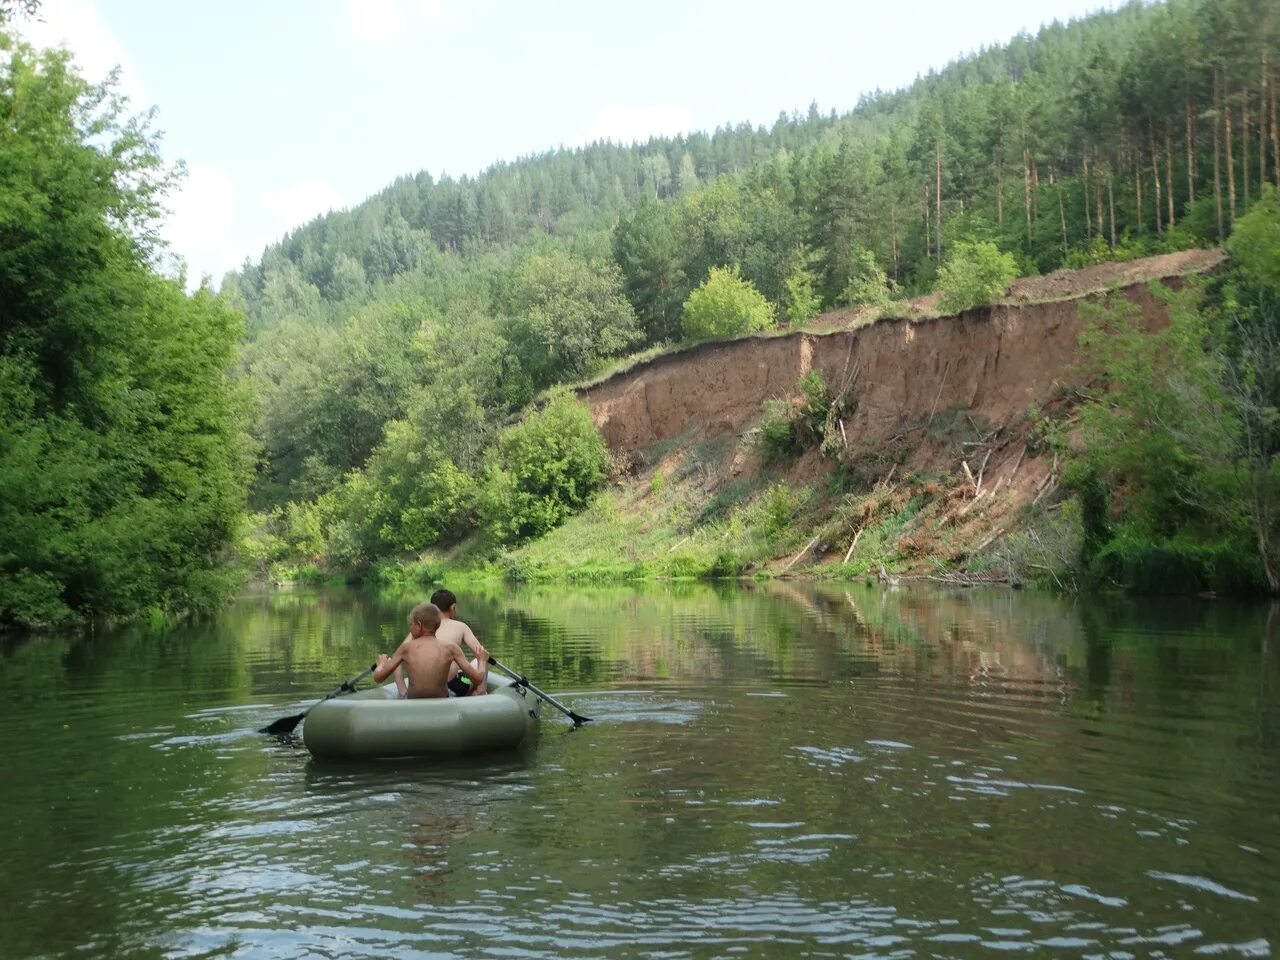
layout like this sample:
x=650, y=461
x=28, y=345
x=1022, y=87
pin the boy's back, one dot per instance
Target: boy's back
x=425, y=657
x=427, y=661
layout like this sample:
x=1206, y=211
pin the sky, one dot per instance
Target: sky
x=285, y=109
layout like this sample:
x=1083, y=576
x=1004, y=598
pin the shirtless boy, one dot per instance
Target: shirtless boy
x=426, y=657
x=451, y=628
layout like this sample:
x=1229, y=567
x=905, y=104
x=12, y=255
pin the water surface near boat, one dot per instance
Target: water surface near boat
x=774, y=770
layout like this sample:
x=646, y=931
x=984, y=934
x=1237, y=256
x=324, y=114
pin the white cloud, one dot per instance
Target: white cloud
x=297, y=203
x=625, y=125
x=377, y=21
x=78, y=25
x=198, y=227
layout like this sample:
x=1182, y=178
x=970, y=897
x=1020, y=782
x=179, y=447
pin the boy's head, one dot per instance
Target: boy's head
x=445, y=600
x=424, y=619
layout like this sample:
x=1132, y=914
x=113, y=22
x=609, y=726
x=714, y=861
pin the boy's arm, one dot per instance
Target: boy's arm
x=386, y=665
x=482, y=658
x=474, y=675
x=476, y=649
x=402, y=688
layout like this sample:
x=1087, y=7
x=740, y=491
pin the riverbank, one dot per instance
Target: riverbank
x=919, y=446
x=915, y=446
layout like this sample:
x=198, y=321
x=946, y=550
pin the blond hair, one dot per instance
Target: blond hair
x=427, y=614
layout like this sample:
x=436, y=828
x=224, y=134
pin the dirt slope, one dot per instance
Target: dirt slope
x=937, y=413
x=992, y=360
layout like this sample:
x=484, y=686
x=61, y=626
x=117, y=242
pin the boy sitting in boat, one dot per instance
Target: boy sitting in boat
x=427, y=658
x=451, y=628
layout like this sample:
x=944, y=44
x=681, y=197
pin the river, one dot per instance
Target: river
x=773, y=769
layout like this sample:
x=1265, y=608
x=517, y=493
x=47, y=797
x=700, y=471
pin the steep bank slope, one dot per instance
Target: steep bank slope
x=949, y=430
x=994, y=361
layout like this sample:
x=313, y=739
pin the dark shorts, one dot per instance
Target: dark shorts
x=459, y=686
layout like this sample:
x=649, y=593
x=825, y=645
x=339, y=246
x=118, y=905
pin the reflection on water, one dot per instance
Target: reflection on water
x=776, y=769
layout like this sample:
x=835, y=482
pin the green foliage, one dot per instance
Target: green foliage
x=725, y=306
x=326, y=394
x=868, y=284
x=1165, y=427
x=122, y=453
x=788, y=428
x=412, y=494
x=568, y=316
x=1095, y=524
x=777, y=431
x=1188, y=443
x=779, y=508
x=1178, y=565
x=800, y=300
x=974, y=274
x=546, y=468
x=412, y=573
x=815, y=408
x=1255, y=242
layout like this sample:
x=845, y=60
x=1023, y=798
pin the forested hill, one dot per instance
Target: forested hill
x=1121, y=103
x=388, y=343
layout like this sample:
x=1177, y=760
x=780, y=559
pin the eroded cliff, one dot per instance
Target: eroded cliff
x=937, y=420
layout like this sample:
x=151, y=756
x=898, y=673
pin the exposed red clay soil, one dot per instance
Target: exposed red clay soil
x=994, y=360
x=991, y=363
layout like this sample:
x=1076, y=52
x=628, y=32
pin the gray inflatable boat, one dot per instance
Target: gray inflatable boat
x=377, y=723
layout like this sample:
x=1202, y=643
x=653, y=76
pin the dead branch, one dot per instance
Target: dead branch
x=1052, y=484
x=849, y=552
x=987, y=542
x=982, y=469
x=806, y=549
x=1014, y=472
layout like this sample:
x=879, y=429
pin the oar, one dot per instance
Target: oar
x=286, y=724
x=577, y=718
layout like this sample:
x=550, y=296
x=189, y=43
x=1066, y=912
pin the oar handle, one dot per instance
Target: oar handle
x=347, y=686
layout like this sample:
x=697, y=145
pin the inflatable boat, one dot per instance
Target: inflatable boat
x=377, y=723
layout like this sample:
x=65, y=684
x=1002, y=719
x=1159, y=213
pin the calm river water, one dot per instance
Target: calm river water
x=773, y=770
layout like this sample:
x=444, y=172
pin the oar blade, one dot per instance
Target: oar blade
x=283, y=726
x=578, y=719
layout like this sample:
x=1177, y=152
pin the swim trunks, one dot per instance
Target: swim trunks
x=459, y=686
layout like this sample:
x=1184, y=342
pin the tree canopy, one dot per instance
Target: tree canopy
x=122, y=452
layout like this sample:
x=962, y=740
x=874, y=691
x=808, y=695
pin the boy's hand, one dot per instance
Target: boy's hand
x=382, y=660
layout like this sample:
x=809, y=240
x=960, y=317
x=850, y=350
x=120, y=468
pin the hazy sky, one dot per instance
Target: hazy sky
x=284, y=109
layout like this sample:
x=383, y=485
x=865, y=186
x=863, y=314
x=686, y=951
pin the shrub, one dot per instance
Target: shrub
x=1255, y=241
x=778, y=506
x=726, y=564
x=777, y=431
x=787, y=430
x=800, y=299
x=546, y=468
x=1144, y=564
x=868, y=284
x=811, y=422
x=974, y=274
x=726, y=305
